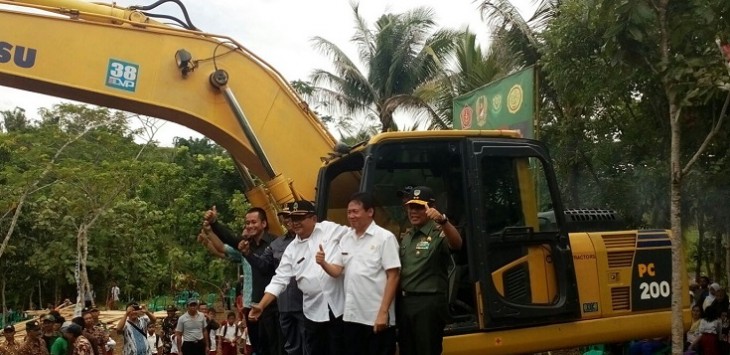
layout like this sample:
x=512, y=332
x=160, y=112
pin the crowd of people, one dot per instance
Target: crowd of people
x=54, y=335
x=322, y=288
x=708, y=334
x=325, y=288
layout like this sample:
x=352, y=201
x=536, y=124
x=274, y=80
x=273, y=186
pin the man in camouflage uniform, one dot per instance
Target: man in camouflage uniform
x=168, y=329
x=34, y=344
x=94, y=334
x=9, y=346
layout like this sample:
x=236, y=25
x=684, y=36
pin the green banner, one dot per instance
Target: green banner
x=508, y=103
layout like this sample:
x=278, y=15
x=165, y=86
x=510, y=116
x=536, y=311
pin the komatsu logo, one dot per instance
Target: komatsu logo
x=23, y=57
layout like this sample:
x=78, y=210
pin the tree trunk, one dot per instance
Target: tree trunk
x=574, y=166
x=717, y=260
x=2, y=293
x=77, y=277
x=82, y=281
x=727, y=256
x=700, y=241
x=676, y=221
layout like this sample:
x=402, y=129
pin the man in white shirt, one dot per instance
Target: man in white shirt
x=324, y=298
x=368, y=256
x=114, y=297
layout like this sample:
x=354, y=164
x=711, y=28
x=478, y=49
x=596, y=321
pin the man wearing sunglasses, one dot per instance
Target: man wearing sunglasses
x=323, y=296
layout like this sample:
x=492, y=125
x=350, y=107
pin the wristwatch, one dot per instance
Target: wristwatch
x=443, y=220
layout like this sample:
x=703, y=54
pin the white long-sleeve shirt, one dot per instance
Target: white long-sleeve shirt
x=319, y=289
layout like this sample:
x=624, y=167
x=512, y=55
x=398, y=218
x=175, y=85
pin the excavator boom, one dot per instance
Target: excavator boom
x=522, y=282
x=119, y=58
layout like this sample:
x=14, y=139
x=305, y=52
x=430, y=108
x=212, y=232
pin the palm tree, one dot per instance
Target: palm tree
x=518, y=35
x=400, y=54
x=473, y=68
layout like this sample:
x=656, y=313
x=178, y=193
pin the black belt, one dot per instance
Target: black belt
x=413, y=294
x=193, y=342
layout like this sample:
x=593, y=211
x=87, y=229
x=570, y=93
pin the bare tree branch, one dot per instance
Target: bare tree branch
x=718, y=124
x=709, y=136
x=30, y=188
x=151, y=127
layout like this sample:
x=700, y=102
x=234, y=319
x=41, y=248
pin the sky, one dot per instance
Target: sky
x=280, y=32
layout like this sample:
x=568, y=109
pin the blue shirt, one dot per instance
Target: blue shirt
x=236, y=257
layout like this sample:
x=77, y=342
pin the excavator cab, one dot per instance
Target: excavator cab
x=515, y=268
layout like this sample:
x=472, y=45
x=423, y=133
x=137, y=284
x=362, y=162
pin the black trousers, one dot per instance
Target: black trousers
x=271, y=339
x=421, y=319
x=193, y=348
x=254, y=336
x=324, y=338
x=360, y=340
x=292, y=327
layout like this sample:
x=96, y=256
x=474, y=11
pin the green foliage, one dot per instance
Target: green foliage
x=401, y=53
x=148, y=206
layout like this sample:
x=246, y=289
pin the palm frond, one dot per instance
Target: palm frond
x=363, y=36
x=350, y=78
x=430, y=61
x=326, y=84
x=342, y=63
x=501, y=13
x=416, y=103
x=546, y=11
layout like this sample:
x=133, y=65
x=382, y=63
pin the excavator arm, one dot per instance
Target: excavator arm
x=122, y=59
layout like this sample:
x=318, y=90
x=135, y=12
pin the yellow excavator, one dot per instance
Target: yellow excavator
x=531, y=276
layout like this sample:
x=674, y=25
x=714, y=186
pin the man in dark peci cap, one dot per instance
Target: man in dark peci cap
x=34, y=344
x=323, y=296
x=9, y=346
x=425, y=255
